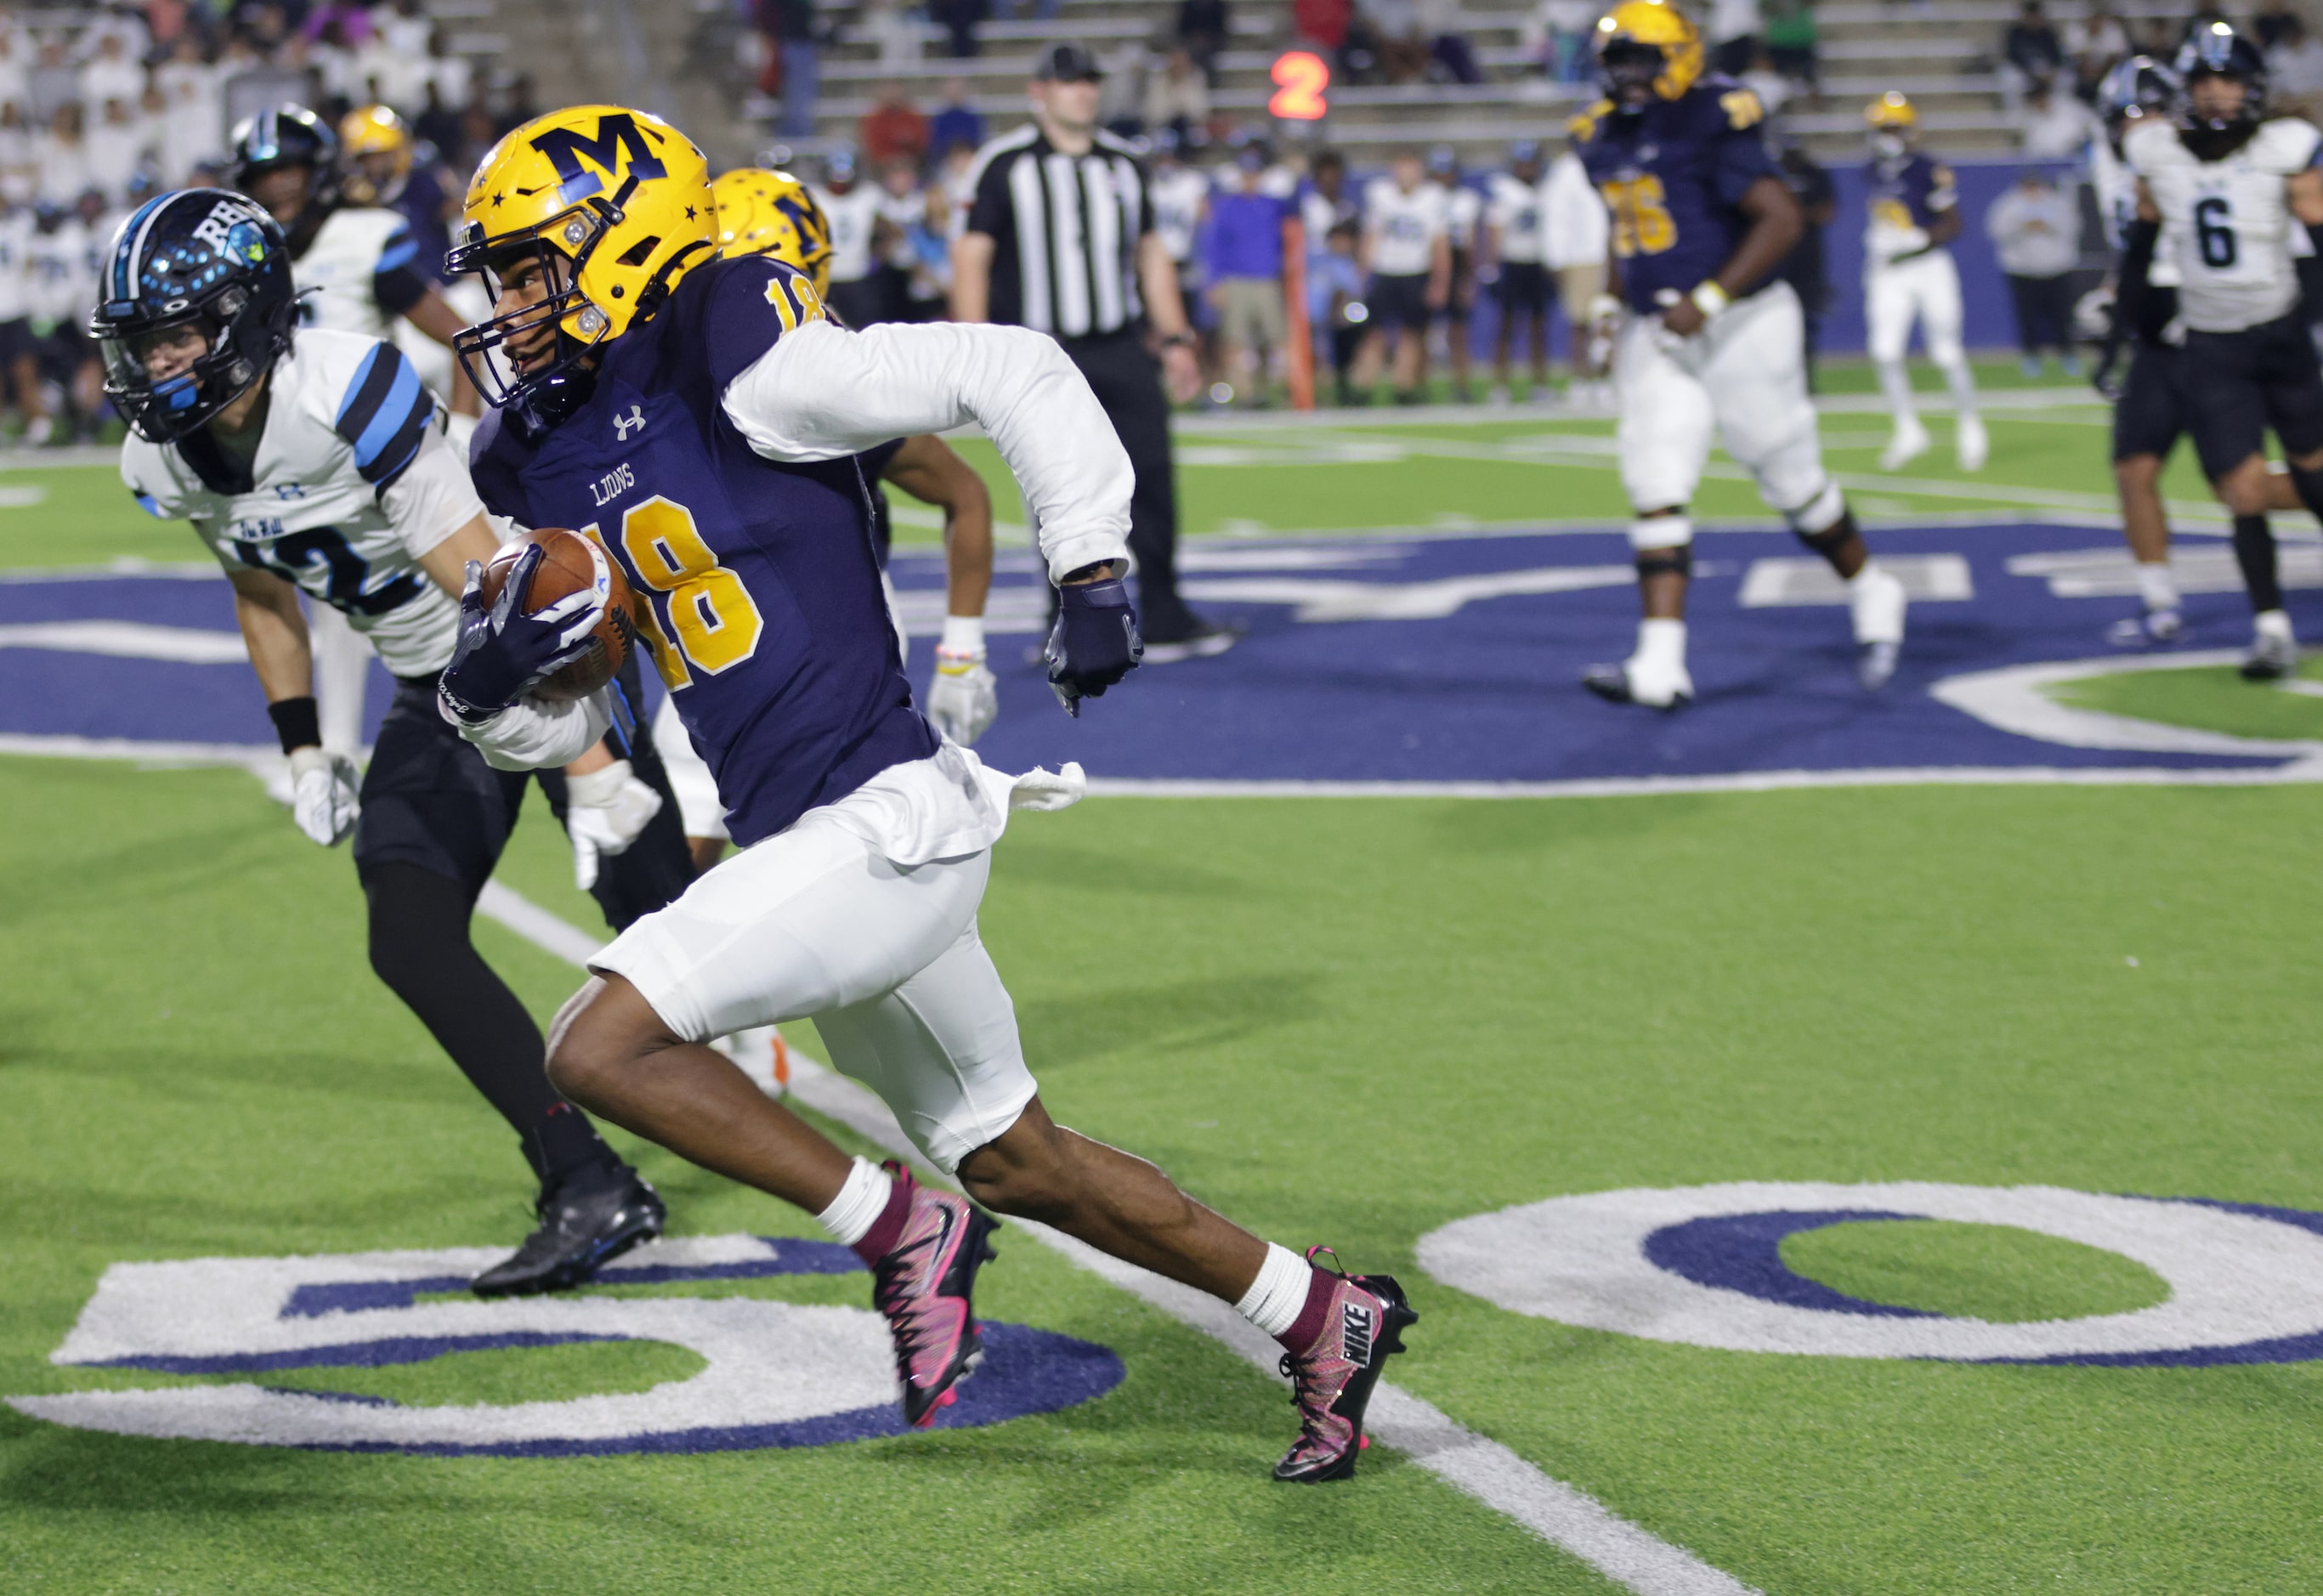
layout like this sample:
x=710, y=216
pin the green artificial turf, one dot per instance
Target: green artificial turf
x=2208, y=698
x=1995, y=1272
x=1351, y=1021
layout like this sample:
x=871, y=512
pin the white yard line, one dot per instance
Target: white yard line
x=1560, y=1514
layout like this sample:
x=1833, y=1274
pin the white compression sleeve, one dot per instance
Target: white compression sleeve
x=1274, y=1299
x=859, y=1205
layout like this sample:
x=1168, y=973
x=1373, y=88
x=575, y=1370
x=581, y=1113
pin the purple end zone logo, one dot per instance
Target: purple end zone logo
x=1702, y=1265
x=774, y=1374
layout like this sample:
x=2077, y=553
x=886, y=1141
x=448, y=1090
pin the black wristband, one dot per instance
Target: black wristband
x=295, y=723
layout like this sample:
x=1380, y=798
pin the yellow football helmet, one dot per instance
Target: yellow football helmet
x=1892, y=111
x=771, y=212
x=374, y=154
x=614, y=206
x=1647, y=41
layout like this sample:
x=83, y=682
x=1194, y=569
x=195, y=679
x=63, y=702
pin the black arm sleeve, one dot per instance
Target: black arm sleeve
x=2143, y=309
x=399, y=288
x=2310, y=277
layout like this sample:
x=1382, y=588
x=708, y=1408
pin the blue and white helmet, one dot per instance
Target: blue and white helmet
x=201, y=258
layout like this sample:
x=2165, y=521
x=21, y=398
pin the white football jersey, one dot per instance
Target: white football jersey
x=16, y=227
x=1464, y=207
x=1513, y=207
x=2227, y=223
x=2116, y=186
x=353, y=481
x=850, y=215
x=1403, y=227
x=350, y=250
x=1176, y=196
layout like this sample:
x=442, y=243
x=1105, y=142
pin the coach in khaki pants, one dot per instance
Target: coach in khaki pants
x=1061, y=238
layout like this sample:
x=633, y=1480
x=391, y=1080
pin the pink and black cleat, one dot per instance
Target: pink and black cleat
x=1332, y=1375
x=923, y=1284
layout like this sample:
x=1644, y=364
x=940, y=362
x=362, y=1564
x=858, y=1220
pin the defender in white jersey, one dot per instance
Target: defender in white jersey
x=1909, y=276
x=1512, y=258
x=313, y=461
x=2229, y=189
x=357, y=271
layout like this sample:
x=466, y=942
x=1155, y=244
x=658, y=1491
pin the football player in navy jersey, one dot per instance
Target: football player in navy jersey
x=702, y=417
x=1701, y=220
x=1909, y=275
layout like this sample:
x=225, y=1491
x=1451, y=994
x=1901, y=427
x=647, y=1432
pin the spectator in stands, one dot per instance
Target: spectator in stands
x=2206, y=11
x=1121, y=97
x=1806, y=267
x=1322, y=26
x=109, y=74
x=2095, y=41
x=961, y=19
x=792, y=41
x=63, y=153
x=438, y=124
x=118, y=145
x=893, y=130
x=454, y=78
x=1244, y=274
x=1792, y=44
x=2054, y=125
x=956, y=122
x=194, y=110
x=2294, y=70
x=1325, y=202
x=1734, y=29
x=55, y=82
x=2031, y=53
x=1762, y=79
x=15, y=68
x=1445, y=29
x=1178, y=98
x=2036, y=229
x=1335, y=307
x=1202, y=28
x=2161, y=39
x=891, y=28
x=1554, y=34
x=1402, y=47
x=913, y=277
x=2267, y=21
x=20, y=174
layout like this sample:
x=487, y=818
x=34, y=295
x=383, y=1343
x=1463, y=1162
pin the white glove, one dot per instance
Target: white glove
x=604, y=810
x=964, y=698
x=323, y=795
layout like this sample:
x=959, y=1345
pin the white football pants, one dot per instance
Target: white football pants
x=1745, y=376
x=1926, y=288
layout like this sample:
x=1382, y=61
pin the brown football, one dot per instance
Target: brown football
x=570, y=563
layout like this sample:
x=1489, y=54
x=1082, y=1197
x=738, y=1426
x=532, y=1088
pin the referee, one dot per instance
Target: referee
x=1062, y=238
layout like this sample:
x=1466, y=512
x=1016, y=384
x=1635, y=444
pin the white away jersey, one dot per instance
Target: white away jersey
x=1513, y=207
x=2228, y=224
x=354, y=248
x=1464, y=207
x=850, y=215
x=352, y=483
x=2116, y=186
x=1403, y=227
x=15, y=263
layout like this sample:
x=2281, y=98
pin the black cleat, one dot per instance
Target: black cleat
x=586, y=1220
x=1331, y=1380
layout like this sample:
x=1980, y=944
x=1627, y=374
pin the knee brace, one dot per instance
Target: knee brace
x=1666, y=562
x=1661, y=532
x=1822, y=517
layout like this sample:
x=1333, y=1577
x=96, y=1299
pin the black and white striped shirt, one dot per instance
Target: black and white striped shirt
x=1065, y=230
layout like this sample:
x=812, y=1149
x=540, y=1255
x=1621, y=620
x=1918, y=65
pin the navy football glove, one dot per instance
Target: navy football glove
x=504, y=651
x=1095, y=642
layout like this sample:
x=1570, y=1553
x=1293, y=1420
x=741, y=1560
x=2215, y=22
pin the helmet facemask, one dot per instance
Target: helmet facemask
x=161, y=411
x=1627, y=69
x=578, y=325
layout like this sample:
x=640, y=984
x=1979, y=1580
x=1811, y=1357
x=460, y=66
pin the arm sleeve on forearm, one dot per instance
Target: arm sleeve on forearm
x=2134, y=291
x=823, y=391
x=535, y=735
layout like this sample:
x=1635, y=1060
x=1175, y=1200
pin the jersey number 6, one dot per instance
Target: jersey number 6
x=2213, y=232
x=710, y=615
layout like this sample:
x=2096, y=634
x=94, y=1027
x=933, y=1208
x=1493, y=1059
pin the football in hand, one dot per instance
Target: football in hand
x=571, y=562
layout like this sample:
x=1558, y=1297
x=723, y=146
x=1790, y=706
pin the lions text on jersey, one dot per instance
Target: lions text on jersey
x=362, y=272
x=2228, y=224
x=1673, y=177
x=350, y=484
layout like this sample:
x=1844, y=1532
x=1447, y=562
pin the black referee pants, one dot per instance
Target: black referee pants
x=1127, y=381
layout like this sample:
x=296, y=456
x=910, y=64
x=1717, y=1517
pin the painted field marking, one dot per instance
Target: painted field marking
x=1562, y=1515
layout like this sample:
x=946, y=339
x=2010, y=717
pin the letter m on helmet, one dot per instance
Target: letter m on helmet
x=618, y=137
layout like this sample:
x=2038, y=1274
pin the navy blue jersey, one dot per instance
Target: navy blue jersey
x=1673, y=177
x=1911, y=193
x=769, y=627
x=883, y=526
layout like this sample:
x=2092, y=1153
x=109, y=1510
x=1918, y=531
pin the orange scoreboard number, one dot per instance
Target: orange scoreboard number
x=1301, y=77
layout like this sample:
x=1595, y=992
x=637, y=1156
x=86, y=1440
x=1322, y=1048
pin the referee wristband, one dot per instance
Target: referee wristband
x=1709, y=299
x=295, y=723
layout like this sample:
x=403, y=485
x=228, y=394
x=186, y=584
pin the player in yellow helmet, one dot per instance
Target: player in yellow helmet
x=375, y=152
x=1908, y=276
x=1711, y=339
x=703, y=416
x=762, y=212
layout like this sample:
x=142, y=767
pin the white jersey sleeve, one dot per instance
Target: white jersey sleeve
x=824, y=391
x=2228, y=224
x=534, y=734
x=351, y=483
x=338, y=275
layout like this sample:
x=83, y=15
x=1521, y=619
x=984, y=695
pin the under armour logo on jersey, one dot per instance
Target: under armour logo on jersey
x=635, y=421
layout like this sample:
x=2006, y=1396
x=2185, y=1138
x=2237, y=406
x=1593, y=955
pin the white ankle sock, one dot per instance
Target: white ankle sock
x=1274, y=1299
x=1661, y=645
x=2272, y=623
x=2157, y=585
x=859, y=1203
